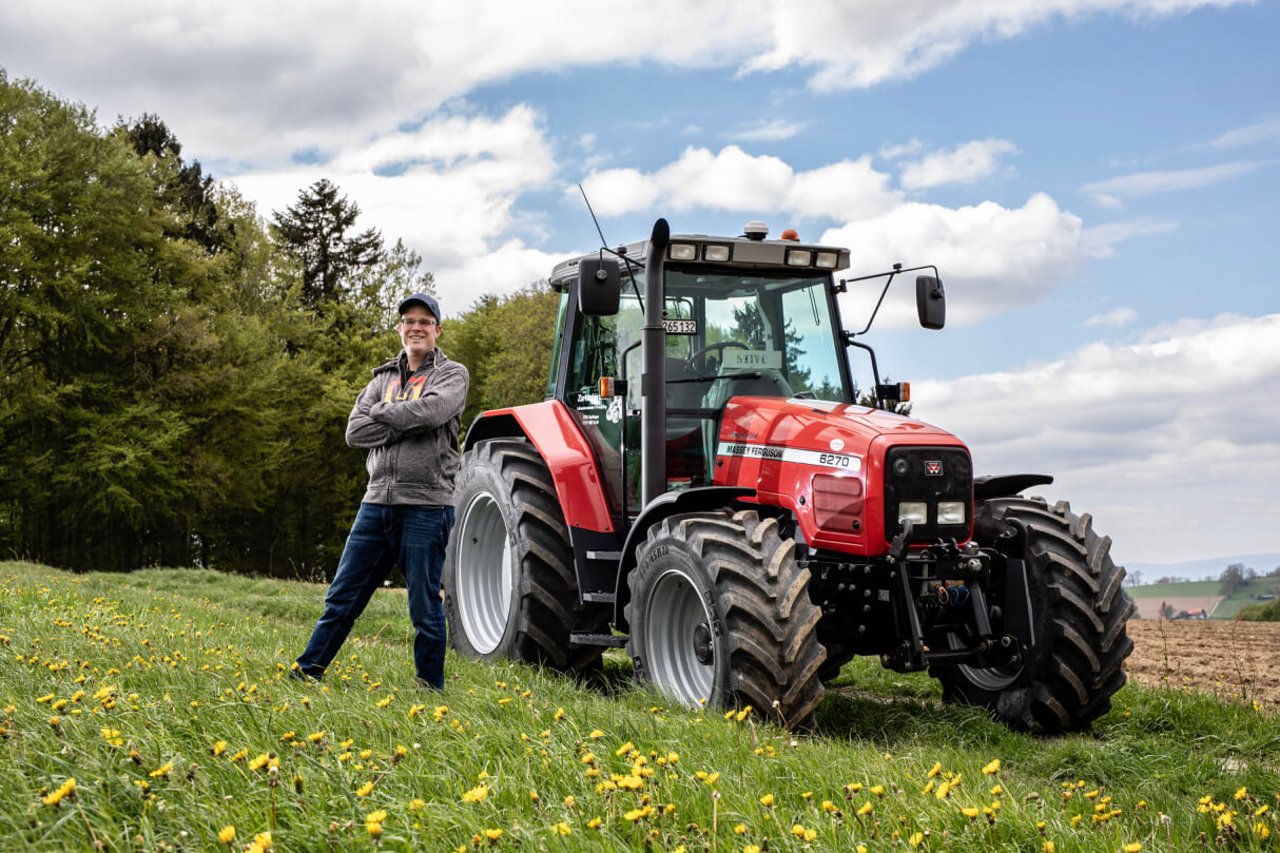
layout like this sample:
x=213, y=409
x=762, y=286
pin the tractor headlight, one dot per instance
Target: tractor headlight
x=683, y=252
x=799, y=257
x=826, y=260
x=951, y=512
x=716, y=253
x=916, y=512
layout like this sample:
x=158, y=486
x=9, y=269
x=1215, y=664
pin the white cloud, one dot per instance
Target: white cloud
x=1110, y=191
x=892, y=151
x=963, y=164
x=1171, y=442
x=246, y=82
x=732, y=179
x=992, y=258
x=1100, y=240
x=766, y=131
x=864, y=44
x=1114, y=317
x=1253, y=134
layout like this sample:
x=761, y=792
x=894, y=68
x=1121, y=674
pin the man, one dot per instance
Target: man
x=408, y=419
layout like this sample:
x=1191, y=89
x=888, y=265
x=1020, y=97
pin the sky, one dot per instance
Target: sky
x=1097, y=181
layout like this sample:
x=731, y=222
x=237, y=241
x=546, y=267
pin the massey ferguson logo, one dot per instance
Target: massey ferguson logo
x=933, y=468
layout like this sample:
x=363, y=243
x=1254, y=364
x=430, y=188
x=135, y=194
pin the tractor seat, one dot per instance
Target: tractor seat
x=746, y=383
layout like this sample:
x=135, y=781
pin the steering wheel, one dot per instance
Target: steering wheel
x=698, y=359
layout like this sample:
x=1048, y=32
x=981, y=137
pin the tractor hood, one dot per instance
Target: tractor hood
x=827, y=463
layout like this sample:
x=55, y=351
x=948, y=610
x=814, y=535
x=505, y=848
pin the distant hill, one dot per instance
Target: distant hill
x=1195, y=570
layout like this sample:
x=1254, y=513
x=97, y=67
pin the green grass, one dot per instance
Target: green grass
x=1226, y=609
x=173, y=663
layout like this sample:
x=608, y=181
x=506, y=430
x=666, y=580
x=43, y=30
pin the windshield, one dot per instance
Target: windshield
x=731, y=324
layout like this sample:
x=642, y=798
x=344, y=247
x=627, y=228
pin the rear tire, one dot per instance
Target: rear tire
x=1079, y=612
x=510, y=587
x=720, y=615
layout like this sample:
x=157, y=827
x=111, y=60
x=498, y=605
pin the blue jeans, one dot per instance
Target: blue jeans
x=413, y=537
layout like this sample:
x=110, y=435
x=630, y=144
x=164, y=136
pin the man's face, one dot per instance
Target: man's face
x=418, y=330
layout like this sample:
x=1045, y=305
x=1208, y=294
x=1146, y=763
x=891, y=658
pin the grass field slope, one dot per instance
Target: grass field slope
x=152, y=711
x=1193, y=595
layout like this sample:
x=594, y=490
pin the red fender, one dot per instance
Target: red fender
x=553, y=430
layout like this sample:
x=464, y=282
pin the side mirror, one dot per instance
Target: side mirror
x=599, y=287
x=931, y=302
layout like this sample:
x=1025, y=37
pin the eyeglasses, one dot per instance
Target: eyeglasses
x=413, y=321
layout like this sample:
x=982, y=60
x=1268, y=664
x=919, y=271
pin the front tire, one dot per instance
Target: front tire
x=1079, y=613
x=510, y=587
x=720, y=615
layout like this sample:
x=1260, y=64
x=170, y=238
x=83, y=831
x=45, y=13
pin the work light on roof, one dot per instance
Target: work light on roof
x=683, y=252
x=716, y=252
x=799, y=257
x=826, y=260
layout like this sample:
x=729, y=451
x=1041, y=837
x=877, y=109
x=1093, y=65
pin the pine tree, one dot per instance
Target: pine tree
x=315, y=231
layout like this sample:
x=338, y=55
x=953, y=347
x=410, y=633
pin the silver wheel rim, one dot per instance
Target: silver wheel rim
x=674, y=613
x=484, y=577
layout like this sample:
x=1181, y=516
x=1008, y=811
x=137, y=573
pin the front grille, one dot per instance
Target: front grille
x=929, y=475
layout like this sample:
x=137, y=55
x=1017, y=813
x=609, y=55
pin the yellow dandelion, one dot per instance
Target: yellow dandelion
x=596, y=734
x=1242, y=793
x=562, y=828
x=934, y=770
x=60, y=793
x=767, y=801
x=364, y=790
x=915, y=839
x=1133, y=847
x=594, y=823
x=493, y=834
x=865, y=809
x=1048, y=847
x=227, y=834
x=112, y=736
x=162, y=771
x=417, y=805
x=878, y=790
x=991, y=768
x=415, y=710
x=478, y=794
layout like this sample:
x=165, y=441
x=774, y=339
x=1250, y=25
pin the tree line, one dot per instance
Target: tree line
x=176, y=370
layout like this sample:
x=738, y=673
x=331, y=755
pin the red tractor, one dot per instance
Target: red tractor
x=702, y=486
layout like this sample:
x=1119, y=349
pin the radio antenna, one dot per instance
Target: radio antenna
x=603, y=242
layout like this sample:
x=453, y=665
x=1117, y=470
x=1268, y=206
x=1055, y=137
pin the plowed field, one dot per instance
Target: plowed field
x=1233, y=660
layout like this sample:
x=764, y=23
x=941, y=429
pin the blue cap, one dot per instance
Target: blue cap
x=426, y=300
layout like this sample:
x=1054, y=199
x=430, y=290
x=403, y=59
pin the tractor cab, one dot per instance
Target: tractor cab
x=740, y=317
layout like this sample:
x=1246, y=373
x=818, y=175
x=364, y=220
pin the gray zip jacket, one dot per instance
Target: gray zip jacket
x=409, y=424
